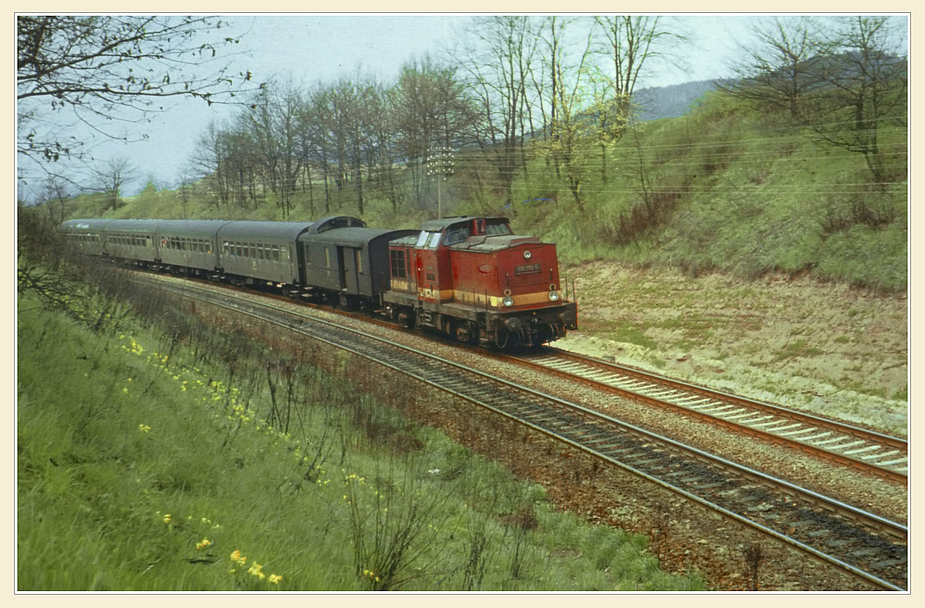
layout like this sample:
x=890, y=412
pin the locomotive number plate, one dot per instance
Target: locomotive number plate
x=526, y=268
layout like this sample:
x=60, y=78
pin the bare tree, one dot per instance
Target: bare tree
x=275, y=125
x=92, y=72
x=629, y=44
x=568, y=131
x=55, y=195
x=381, y=122
x=777, y=67
x=430, y=111
x=865, y=72
x=111, y=177
x=210, y=162
x=185, y=189
x=497, y=66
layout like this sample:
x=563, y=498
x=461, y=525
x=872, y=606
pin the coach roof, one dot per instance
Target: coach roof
x=187, y=228
x=253, y=231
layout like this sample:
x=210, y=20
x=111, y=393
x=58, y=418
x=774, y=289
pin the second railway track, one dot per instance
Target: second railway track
x=860, y=448
x=865, y=545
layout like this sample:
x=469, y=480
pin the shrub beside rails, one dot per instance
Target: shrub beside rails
x=469, y=277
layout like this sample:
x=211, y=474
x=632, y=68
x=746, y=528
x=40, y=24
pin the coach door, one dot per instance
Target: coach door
x=351, y=265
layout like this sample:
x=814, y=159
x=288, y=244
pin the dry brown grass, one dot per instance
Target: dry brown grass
x=827, y=348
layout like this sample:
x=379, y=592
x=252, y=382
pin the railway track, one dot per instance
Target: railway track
x=862, y=449
x=865, y=545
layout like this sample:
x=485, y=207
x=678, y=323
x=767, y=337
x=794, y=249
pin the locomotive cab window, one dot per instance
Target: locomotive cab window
x=498, y=229
x=456, y=235
x=397, y=258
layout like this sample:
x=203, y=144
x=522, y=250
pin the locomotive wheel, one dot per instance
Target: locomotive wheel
x=501, y=338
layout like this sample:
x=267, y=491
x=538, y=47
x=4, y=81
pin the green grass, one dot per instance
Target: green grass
x=797, y=348
x=747, y=193
x=143, y=467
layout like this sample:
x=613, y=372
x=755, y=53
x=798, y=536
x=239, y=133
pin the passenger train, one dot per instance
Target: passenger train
x=466, y=277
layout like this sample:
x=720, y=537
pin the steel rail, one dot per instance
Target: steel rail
x=859, y=448
x=557, y=418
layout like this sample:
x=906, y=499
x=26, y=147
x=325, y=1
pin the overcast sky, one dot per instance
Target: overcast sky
x=310, y=49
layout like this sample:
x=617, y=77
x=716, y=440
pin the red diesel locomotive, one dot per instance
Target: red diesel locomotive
x=472, y=278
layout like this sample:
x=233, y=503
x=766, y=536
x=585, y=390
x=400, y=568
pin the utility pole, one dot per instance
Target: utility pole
x=440, y=166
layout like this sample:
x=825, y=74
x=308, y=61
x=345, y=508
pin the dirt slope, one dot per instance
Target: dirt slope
x=824, y=348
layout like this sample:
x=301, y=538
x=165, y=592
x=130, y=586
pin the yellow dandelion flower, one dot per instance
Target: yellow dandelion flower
x=275, y=579
x=167, y=518
x=256, y=570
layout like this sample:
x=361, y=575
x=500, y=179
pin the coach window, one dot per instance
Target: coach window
x=327, y=257
x=358, y=258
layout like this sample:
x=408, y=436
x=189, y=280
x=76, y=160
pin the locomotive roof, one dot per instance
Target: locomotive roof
x=492, y=243
x=438, y=225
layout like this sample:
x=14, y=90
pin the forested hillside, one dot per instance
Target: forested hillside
x=798, y=166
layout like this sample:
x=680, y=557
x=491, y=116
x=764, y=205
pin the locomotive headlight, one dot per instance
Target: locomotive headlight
x=527, y=254
x=553, y=296
x=508, y=301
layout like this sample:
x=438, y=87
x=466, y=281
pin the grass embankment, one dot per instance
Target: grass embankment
x=724, y=188
x=728, y=189
x=146, y=462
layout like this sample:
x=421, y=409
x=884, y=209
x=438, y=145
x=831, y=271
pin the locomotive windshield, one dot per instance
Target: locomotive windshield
x=456, y=235
x=428, y=239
